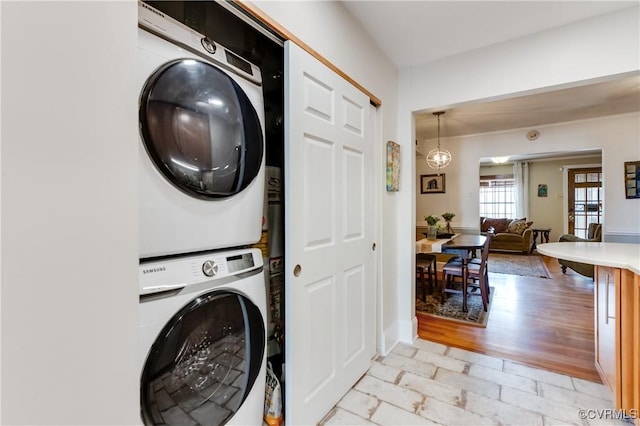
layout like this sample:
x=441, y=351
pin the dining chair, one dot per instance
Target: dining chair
x=426, y=262
x=477, y=260
x=477, y=274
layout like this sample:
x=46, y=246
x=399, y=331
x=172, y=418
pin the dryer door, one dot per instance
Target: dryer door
x=205, y=361
x=200, y=129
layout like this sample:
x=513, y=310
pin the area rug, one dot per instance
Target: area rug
x=452, y=307
x=517, y=264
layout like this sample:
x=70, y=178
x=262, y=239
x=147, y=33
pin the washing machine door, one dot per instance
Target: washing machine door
x=205, y=361
x=200, y=129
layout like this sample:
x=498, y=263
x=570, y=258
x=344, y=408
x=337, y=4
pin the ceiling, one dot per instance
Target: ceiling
x=578, y=103
x=459, y=26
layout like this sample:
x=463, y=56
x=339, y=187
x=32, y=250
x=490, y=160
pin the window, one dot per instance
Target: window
x=497, y=196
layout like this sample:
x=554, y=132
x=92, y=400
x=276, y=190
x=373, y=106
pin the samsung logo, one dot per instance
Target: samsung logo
x=150, y=9
x=152, y=270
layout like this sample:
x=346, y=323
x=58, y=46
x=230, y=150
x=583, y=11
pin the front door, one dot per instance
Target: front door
x=330, y=294
x=585, y=199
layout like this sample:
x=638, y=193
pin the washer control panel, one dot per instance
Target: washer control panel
x=179, y=272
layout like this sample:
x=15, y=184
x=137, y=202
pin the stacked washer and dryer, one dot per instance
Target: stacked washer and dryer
x=201, y=184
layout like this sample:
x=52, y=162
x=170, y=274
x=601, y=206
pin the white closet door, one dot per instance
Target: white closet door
x=329, y=289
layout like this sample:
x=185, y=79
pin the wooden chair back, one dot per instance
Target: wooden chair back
x=485, y=253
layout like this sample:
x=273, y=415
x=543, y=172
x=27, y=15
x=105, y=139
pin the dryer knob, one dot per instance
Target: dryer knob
x=208, y=45
x=209, y=268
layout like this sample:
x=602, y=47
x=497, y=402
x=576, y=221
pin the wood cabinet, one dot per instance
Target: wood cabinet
x=606, y=340
x=617, y=335
x=635, y=381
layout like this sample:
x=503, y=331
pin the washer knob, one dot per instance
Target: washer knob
x=209, y=268
x=209, y=45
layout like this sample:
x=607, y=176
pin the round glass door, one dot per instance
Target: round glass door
x=200, y=129
x=204, y=363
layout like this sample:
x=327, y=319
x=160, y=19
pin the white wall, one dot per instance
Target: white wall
x=1, y=216
x=69, y=213
x=329, y=29
x=591, y=50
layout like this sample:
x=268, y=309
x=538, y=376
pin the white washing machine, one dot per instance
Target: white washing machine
x=203, y=339
x=201, y=117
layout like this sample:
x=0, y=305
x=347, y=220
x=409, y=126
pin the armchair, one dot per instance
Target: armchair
x=594, y=234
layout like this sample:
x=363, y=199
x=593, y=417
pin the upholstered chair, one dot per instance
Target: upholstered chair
x=594, y=234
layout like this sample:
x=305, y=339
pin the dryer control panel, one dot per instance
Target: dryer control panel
x=152, y=20
x=179, y=273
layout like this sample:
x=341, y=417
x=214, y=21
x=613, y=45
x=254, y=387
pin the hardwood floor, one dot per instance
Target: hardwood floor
x=546, y=323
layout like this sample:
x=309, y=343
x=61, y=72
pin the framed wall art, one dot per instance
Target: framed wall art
x=632, y=179
x=542, y=190
x=432, y=184
x=393, y=166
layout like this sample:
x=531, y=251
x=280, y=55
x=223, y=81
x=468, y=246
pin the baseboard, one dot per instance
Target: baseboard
x=414, y=332
x=389, y=339
x=398, y=332
x=408, y=330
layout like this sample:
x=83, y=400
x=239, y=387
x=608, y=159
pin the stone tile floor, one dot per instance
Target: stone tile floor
x=428, y=383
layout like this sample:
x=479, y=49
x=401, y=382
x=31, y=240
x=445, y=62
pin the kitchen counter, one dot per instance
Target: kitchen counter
x=616, y=255
x=616, y=306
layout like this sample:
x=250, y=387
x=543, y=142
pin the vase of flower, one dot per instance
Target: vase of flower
x=447, y=218
x=432, y=229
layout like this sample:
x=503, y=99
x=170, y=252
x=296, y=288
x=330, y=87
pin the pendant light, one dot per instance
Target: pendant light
x=438, y=158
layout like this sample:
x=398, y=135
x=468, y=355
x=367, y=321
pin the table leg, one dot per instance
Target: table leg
x=534, y=245
x=465, y=277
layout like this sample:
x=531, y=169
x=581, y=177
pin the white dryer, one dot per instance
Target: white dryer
x=203, y=339
x=201, y=118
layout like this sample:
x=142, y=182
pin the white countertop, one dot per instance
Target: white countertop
x=616, y=255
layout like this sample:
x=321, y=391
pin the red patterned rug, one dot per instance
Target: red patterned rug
x=451, y=309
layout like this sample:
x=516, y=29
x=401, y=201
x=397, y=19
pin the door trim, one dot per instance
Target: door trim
x=379, y=181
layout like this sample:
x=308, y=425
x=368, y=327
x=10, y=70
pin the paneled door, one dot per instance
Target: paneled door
x=330, y=297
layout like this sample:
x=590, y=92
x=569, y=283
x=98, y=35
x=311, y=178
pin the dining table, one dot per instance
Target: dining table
x=467, y=245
